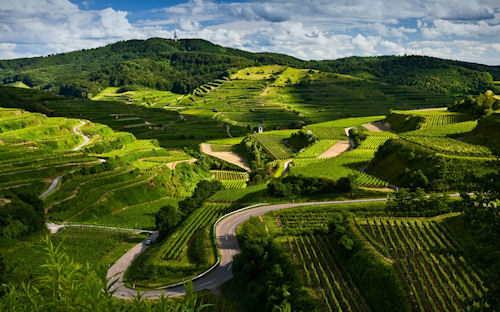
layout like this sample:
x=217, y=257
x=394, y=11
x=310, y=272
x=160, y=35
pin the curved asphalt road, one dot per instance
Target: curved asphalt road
x=226, y=243
x=86, y=139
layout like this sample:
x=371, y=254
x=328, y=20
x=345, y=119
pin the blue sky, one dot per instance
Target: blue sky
x=313, y=29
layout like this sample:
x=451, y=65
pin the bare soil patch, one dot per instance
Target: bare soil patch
x=377, y=126
x=336, y=149
x=230, y=157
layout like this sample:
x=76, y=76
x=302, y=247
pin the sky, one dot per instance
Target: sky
x=467, y=30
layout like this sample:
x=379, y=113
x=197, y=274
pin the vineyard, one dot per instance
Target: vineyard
x=177, y=242
x=218, y=148
x=373, y=142
x=168, y=262
x=428, y=258
x=231, y=179
x=273, y=145
x=338, y=167
x=322, y=272
x=435, y=120
x=451, y=129
x=449, y=146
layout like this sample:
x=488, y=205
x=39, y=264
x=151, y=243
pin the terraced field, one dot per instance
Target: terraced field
x=112, y=172
x=449, y=146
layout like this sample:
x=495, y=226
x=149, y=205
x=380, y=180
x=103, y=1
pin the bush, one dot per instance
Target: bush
x=417, y=204
x=21, y=215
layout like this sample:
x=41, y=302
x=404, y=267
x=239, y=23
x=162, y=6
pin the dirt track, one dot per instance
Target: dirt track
x=376, y=126
x=336, y=149
x=230, y=157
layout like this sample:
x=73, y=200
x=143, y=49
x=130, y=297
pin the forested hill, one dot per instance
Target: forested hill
x=156, y=63
x=440, y=75
x=184, y=65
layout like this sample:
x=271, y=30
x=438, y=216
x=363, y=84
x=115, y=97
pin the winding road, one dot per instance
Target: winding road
x=227, y=245
x=52, y=187
x=86, y=139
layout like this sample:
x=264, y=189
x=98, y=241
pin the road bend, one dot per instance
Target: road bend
x=227, y=245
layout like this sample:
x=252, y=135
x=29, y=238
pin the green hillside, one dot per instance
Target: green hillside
x=184, y=65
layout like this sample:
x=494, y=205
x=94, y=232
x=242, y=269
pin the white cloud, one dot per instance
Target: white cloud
x=443, y=27
x=314, y=29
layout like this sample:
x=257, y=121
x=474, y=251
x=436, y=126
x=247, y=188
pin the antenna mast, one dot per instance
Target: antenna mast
x=175, y=28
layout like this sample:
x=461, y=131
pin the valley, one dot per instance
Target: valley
x=354, y=182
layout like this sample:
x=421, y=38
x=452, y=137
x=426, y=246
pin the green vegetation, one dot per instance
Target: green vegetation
x=125, y=152
x=264, y=274
x=63, y=284
x=316, y=149
x=425, y=250
x=483, y=105
x=273, y=145
x=410, y=165
x=169, y=262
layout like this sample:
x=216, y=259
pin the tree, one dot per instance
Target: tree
x=166, y=219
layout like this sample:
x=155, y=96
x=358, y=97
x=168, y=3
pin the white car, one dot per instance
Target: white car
x=148, y=242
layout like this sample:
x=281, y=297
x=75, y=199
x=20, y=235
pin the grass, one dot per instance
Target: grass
x=97, y=247
x=316, y=149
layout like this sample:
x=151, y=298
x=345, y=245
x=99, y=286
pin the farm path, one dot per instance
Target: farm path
x=171, y=165
x=226, y=242
x=230, y=157
x=377, y=126
x=86, y=139
x=336, y=149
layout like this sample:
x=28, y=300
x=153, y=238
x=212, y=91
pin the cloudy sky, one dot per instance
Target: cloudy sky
x=466, y=30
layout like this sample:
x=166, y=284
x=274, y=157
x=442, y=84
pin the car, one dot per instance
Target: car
x=148, y=242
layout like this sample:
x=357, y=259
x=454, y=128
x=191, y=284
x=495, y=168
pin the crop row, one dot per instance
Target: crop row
x=450, y=129
x=203, y=216
x=324, y=274
x=437, y=279
x=373, y=142
x=221, y=148
x=335, y=168
x=234, y=184
x=449, y=146
x=433, y=121
x=273, y=145
x=229, y=175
